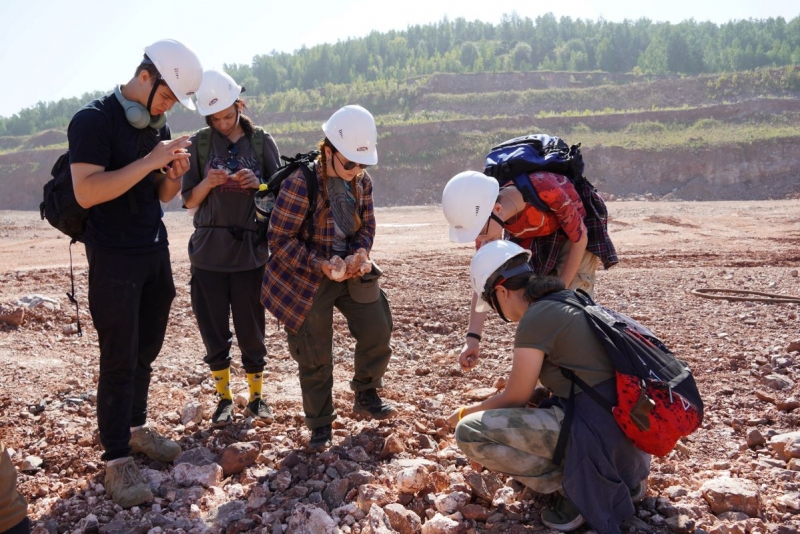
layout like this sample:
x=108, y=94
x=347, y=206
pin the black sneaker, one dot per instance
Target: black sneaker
x=259, y=409
x=562, y=515
x=223, y=415
x=368, y=403
x=320, y=439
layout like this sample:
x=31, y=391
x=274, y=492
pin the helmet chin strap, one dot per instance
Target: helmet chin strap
x=238, y=117
x=497, y=308
x=156, y=83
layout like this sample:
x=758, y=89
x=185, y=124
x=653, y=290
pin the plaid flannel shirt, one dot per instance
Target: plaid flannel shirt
x=294, y=269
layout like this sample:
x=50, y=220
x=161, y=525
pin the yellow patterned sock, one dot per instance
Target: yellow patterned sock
x=222, y=381
x=254, y=384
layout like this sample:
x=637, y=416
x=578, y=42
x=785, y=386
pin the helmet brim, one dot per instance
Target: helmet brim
x=187, y=101
x=482, y=306
x=463, y=235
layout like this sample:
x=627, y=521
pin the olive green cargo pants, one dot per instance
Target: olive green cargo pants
x=312, y=348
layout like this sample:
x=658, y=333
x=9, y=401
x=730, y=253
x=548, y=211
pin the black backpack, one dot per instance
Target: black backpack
x=59, y=205
x=265, y=198
x=657, y=398
x=61, y=209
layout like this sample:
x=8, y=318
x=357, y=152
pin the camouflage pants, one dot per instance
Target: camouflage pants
x=515, y=441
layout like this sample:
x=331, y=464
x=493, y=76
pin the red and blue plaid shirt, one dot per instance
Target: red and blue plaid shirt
x=294, y=269
x=564, y=200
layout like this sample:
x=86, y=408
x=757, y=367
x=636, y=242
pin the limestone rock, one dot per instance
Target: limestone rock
x=377, y=522
x=372, y=493
x=731, y=495
x=197, y=456
x=192, y=412
x=227, y=513
x=450, y=503
x=777, y=382
x=393, y=445
x=308, y=519
x=238, y=456
x=402, y=519
x=484, y=485
x=190, y=475
x=412, y=479
x=439, y=524
x=781, y=442
x=335, y=493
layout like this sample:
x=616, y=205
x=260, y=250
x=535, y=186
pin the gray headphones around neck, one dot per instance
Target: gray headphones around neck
x=137, y=114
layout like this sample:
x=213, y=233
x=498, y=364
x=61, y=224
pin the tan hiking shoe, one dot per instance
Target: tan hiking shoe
x=147, y=441
x=125, y=485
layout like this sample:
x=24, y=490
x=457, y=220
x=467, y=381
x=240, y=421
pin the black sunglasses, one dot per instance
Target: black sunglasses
x=350, y=165
x=232, y=164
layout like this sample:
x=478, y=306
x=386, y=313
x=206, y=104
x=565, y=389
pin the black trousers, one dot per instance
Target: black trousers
x=23, y=527
x=129, y=299
x=215, y=297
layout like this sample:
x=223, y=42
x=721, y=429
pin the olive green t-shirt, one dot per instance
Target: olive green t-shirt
x=566, y=338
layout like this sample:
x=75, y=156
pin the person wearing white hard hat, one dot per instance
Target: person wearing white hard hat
x=478, y=210
x=603, y=473
x=124, y=165
x=320, y=261
x=227, y=250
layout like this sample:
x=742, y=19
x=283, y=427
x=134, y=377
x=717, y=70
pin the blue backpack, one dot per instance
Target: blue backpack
x=512, y=161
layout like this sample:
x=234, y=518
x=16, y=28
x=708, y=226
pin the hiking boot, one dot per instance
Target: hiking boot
x=223, y=415
x=147, y=441
x=320, y=439
x=259, y=409
x=562, y=515
x=125, y=485
x=368, y=403
x=639, y=491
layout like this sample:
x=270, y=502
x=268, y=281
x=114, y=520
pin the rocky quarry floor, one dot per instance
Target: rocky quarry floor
x=740, y=473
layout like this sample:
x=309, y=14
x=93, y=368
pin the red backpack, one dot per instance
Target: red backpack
x=657, y=398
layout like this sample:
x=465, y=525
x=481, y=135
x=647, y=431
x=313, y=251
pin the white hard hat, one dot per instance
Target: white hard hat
x=179, y=66
x=487, y=261
x=352, y=132
x=217, y=92
x=467, y=202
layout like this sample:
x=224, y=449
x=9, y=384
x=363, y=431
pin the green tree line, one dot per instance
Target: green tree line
x=387, y=61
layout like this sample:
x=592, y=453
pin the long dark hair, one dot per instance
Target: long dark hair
x=535, y=286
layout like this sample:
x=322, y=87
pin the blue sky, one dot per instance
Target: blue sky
x=53, y=49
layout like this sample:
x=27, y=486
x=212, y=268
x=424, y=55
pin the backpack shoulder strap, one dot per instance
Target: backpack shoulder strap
x=578, y=298
x=203, y=148
x=529, y=194
x=258, y=146
x=310, y=172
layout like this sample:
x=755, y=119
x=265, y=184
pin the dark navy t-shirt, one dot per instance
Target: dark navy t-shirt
x=100, y=135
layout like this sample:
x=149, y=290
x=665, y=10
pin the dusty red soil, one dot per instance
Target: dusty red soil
x=666, y=250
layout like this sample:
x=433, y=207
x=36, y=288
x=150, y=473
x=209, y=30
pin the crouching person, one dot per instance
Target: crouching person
x=603, y=473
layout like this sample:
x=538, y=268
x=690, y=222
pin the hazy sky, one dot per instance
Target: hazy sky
x=53, y=49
